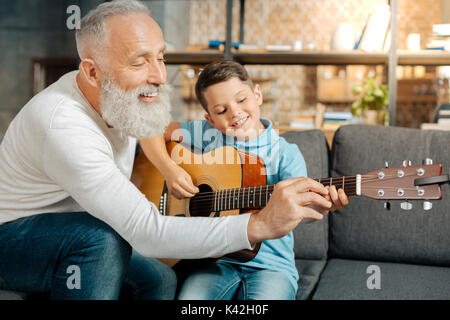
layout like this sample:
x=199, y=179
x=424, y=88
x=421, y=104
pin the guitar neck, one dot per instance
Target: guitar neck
x=258, y=196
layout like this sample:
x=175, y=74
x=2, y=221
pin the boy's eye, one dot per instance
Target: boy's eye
x=242, y=99
x=222, y=111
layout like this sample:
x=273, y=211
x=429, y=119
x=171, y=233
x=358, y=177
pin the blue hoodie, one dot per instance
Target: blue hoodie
x=282, y=160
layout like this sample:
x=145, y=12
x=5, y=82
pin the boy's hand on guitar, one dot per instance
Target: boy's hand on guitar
x=292, y=201
x=337, y=197
x=179, y=183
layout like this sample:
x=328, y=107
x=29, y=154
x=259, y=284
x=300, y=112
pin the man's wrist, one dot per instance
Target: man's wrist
x=254, y=229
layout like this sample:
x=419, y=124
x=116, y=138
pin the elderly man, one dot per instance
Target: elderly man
x=67, y=207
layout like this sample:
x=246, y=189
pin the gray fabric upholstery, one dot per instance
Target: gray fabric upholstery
x=13, y=295
x=309, y=274
x=311, y=240
x=364, y=230
x=347, y=279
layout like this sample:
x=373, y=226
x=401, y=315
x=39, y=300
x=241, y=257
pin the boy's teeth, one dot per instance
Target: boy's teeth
x=240, y=121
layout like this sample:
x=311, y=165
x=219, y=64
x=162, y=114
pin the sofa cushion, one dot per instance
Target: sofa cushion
x=311, y=239
x=309, y=273
x=352, y=279
x=364, y=230
x=12, y=295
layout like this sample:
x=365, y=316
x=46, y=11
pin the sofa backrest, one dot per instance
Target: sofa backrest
x=311, y=240
x=365, y=230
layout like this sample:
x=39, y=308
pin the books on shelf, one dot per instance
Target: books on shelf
x=337, y=116
x=375, y=33
x=441, y=38
x=441, y=30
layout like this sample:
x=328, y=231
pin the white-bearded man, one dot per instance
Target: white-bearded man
x=66, y=201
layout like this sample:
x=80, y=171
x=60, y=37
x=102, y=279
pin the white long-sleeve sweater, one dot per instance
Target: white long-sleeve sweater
x=58, y=155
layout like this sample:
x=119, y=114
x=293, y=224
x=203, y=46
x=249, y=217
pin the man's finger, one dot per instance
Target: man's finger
x=188, y=186
x=308, y=184
x=313, y=198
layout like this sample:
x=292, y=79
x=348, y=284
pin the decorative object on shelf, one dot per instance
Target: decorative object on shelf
x=343, y=38
x=375, y=33
x=372, y=101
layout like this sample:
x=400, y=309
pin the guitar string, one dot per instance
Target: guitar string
x=223, y=206
x=226, y=194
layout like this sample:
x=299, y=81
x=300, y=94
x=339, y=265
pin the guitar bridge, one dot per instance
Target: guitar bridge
x=163, y=200
x=163, y=204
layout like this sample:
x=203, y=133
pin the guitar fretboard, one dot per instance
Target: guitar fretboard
x=259, y=196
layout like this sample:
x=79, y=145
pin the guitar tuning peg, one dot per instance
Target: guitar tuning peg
x=427, y=205
x=406, y=205
x=387, y=205
x=427, y=161
x=406, y=163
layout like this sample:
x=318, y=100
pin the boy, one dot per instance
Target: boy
x=233, y=118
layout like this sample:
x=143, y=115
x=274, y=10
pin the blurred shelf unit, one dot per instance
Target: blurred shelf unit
x=203, y=57
x=334, y=83
x=338, y=86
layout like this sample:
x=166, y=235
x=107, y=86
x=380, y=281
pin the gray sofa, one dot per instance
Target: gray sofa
x=409, y=249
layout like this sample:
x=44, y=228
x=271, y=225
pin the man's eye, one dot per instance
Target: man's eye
x=138, y=64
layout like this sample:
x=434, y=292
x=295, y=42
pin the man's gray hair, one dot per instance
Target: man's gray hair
x=93, y=25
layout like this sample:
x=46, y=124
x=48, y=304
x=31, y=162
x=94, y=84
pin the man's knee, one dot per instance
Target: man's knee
x=99, y=240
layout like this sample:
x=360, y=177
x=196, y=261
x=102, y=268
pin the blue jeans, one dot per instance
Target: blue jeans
x=77, y=256
x=220, y=280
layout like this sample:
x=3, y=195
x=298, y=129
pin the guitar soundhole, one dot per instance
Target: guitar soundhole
x=201, y=204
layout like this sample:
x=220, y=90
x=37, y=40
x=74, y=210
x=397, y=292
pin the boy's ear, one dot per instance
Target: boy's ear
x=258, y=94
x=208, y=118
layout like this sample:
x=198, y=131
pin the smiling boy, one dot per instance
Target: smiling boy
x=232, y=104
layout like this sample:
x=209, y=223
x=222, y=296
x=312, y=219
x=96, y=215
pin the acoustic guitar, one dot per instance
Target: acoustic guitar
x=232, y=182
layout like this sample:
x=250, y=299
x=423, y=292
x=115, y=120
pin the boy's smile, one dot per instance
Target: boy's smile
x=233, y=108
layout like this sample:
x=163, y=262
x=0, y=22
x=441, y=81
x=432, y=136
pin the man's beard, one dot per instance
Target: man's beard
x=124, y=111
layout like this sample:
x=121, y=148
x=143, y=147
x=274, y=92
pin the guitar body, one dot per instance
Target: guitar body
x=222, y=168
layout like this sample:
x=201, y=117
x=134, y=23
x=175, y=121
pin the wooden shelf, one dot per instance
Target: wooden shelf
x=310, y=58
x=424, y=58
x=202, y=57
x=193, y=57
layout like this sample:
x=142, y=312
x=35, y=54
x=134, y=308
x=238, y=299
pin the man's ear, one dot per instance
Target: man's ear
x=258, y=94
x=91, y=72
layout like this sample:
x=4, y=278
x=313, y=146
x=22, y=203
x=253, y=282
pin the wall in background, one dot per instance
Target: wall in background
x=30, y=29
x=270, y=22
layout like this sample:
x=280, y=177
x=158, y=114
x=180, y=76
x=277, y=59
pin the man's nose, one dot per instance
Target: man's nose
x=156, y=73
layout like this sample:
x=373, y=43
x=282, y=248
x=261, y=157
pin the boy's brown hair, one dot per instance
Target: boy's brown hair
x=217, y=72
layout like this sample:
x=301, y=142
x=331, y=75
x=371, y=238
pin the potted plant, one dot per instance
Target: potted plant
x=372, y=101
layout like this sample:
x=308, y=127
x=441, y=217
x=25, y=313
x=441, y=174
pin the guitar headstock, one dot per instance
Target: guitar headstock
x=397, y=183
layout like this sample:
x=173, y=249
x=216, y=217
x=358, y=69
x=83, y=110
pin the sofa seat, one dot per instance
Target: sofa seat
x=345, y=279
